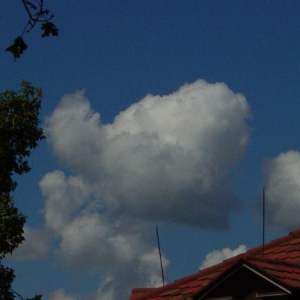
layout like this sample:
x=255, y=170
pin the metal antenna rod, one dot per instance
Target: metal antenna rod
x=161, y=265
x=263, y=233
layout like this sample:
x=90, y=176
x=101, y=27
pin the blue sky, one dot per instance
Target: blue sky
x=99, y=183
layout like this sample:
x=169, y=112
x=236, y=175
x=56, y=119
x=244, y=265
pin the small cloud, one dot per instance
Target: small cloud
x=218, y=256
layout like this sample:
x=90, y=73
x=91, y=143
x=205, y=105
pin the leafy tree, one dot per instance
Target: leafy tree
x=19, y=133
x=37, y=15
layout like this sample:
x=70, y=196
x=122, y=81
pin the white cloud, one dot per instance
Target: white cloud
x=65, y=196
x=60, y=294
x=164, y=159
x=34, y=247
x=177, y=147
x=90, y=242
x=218, y=256
x=282, y=179
x=146, y=274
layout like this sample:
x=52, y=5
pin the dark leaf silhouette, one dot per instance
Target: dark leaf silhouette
x=36, y=14
x=17, y=48
x=49, y=28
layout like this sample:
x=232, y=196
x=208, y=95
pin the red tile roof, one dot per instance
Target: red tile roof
x=279, y=260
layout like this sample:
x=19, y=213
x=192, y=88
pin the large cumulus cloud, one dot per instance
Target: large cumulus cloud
x=164, y=159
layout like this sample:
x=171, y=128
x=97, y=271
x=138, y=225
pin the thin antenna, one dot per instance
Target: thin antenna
x=263, y=211
x=161, y=266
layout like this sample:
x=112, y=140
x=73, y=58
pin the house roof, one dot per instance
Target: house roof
x=278, y=260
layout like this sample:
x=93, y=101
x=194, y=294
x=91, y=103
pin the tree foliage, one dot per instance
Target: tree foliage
x=19, y=133
x=11, y=226
x=37, y=15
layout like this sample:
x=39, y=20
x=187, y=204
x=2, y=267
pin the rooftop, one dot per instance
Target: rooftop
x=277, y=262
